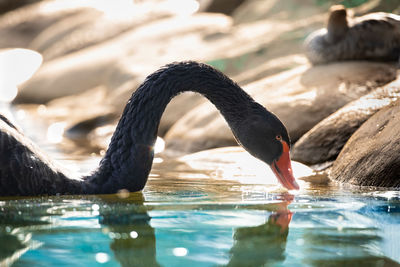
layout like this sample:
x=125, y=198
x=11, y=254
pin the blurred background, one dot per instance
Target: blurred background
x=95, y=53
x=67, y=69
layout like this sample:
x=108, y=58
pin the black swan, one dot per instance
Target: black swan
x=24, y=170
x=374, y=36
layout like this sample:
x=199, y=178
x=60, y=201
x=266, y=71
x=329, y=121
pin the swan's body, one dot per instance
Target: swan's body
x=128, y=160
x=375, y=36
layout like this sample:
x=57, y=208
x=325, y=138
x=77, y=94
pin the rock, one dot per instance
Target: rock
x=325, y=140
x=95, y=105
x=177, y=108
x=248, y=51
x=79, y=114
x=110, y=64
x=19, y=27
x=75, y=109
x=300, y=98
x=84, y=112
x=59, y=39
x=57, y=27
x=234, y=163
x=8, y=5
x=126, y=57
x=386, y=6
x=371, y=156
x=276, y=31
x=253, y=10
x=270, y=67
x=118, y=61
x=220, y=6
x=83, y=30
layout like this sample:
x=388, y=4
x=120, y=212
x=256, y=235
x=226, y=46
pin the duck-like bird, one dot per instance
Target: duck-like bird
x=26, y=171
x=375, y=36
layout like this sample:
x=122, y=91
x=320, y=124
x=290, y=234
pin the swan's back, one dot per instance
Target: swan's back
x=23, y=168
x=378, y=35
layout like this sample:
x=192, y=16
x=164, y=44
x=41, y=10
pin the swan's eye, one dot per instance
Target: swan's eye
x=278, y=137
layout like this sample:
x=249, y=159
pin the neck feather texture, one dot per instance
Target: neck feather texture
x=129, y=157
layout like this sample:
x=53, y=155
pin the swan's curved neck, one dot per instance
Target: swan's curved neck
x=129, y=157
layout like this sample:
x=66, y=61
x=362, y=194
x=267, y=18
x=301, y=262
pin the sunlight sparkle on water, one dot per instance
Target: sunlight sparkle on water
x=300, y=242
x=133, y=234
x=158, y=160
x=123, y=193
x=387, y=194
x=102, y=257
x=55, y=132
x=233, y=163
x=159, y=146
x=41, y=110
x=180, y=252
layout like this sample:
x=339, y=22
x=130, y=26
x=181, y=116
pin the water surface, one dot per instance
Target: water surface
x=215, y=208
x=195, y=220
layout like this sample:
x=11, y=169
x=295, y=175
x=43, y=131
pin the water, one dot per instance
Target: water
x=215, y=208
x=200, y=221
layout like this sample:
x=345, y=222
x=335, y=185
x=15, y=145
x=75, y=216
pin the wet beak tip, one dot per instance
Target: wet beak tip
x=296, y=185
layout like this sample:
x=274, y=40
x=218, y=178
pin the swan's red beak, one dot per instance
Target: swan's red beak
x=282, y=168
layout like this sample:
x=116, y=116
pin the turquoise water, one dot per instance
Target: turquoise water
x=212, y=209
x=196, y=221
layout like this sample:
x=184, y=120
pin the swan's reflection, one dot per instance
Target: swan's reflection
x=253, y=246
x=127, y=222
x=15, y=235
x=263, y=244
x=134, y=242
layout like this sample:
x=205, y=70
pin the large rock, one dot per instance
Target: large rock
x=253, y=10
x=325, y=140
x=278, y=32
x=110, y=64
x=176, y=109
x=118, y=61
x=248, y=52
x=220, y=6
x=8, y=5
x=19, y=27
x=141, y=50
x=235, y=50
x=83, y=30
x=93, y=108
x=371, y=156
x=235, y=163
x=300, y=98
x=68, y=34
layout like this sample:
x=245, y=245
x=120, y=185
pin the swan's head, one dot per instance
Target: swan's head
x=337, y=24
x=265, y=137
